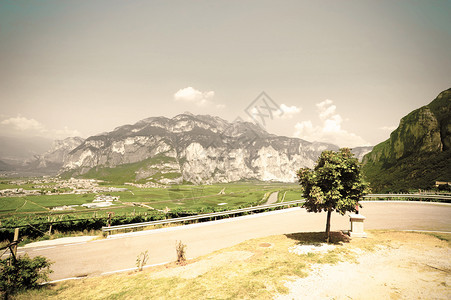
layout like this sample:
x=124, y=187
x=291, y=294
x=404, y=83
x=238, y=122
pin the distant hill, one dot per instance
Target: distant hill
x=50, y=162
x=418, y=152
x=22, y=148
x=35, y=156
x=360, y=152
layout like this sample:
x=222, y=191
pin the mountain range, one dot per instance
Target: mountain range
x=186, y=148
x=191, y=148
x=207, y=149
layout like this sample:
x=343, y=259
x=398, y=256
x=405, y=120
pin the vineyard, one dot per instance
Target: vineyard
x=44, y=213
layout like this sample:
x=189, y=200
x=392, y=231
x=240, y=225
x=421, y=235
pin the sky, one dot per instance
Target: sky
x=343, y=72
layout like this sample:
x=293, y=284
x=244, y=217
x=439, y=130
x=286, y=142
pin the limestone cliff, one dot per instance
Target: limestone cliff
x=191, y=148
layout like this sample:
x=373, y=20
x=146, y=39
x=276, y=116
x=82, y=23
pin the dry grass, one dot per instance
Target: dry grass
x=255, y=269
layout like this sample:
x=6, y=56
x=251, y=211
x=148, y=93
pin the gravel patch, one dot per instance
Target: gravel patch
x=399, y=272
x=306, y=249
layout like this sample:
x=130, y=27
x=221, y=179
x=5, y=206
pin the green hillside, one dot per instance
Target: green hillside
x=152, y=167
x=418, y=152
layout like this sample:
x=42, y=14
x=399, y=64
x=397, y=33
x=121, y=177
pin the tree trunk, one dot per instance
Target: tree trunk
x=329, y=213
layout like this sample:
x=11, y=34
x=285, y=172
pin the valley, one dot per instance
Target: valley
x=59, y=197
x=53, y=207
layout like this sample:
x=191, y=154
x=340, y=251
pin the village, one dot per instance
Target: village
x=57, y=186
x=99, y=202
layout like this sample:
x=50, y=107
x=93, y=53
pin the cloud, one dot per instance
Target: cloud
x=25, y=126
x=66, y=132
x=288, y=111
x=192, y=95
x=331, y=130
x=388, y=128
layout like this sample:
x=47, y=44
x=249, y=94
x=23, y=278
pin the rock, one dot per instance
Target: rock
x=197, y=149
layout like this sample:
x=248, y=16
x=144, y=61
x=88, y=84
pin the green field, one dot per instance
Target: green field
x=290, y=194
x=138, y=200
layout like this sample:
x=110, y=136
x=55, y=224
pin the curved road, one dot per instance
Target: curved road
x=119, y=253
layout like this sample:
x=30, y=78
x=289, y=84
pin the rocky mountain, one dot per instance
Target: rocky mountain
x=418, y=152
x=56, y=155
x=360, y=152
x=191, y=148
x=48, y=163
x=16, y=150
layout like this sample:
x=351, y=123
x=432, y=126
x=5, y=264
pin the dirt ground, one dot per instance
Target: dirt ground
x=386, y=265
x=400, y=268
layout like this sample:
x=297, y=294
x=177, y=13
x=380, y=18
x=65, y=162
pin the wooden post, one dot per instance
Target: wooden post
x=16, y=239
x=110, y=214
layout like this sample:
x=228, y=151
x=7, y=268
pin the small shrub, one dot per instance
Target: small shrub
x=142, y=259
x=22, y=274
x=181, y=252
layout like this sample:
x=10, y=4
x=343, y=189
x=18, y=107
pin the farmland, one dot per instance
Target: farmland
x=58, y=197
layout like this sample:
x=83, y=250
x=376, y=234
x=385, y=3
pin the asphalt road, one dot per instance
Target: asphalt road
x=272, y=198
x=120, y=253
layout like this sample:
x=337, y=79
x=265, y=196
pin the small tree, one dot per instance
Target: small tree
x=335, y=184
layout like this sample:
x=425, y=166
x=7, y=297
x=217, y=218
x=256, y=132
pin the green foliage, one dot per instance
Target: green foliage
x=127, y=172
x=24, y=273
x=289, y=195
x=418, y=152
x=335, y=184
x=418, y=171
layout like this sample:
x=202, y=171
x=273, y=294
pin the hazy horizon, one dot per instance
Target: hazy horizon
x=343, y=72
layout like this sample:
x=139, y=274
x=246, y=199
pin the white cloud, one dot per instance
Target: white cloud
x=288, y=111
x=304, y=127
x=23, y=125
x=66, y=132
x=330, y=131
x=189, y=94
x=220, y=106
x=388, y=128
x=326, y=109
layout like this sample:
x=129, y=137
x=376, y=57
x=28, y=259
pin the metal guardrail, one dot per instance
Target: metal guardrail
x=261, y=207
x=203, y=216
x=416, y=196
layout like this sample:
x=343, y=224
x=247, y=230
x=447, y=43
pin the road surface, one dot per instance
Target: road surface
x=272, y=198
x=114, y=254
